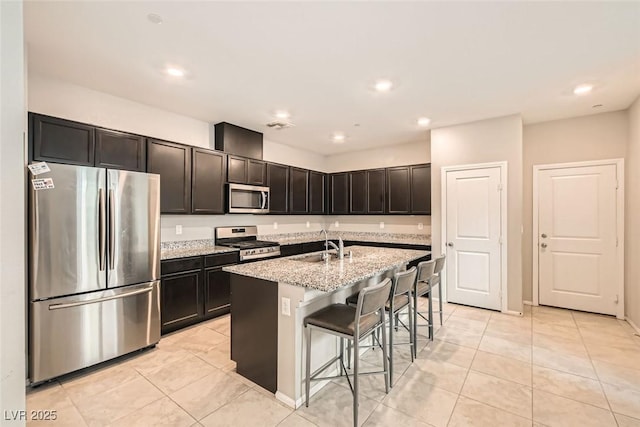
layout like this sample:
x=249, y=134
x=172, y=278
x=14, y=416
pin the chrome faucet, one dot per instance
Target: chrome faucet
x=339, y=247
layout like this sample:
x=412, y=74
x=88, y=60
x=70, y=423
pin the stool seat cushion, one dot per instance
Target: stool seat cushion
x=422, y=288
x=341, y=318
x=400, y=301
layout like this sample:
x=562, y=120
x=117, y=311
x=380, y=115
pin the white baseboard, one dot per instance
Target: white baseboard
x=315, y=387
x=633, y=325
x=513, y=313
x=527, y=302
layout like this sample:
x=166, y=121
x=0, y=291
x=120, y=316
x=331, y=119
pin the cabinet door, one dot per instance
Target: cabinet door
x=357, y=192
x=119, y=150
x=237, y=170
x=217, y=292
x=181, y=300
x=289, y=250
x=278, y=182
x=256, y=172
x=398, y=190
x=375, y=191
x=61, y=141
x=339, y=188
x=173, y=163
x=207, y=192
x=317, y=193
x=421, y=189
x=298, y=191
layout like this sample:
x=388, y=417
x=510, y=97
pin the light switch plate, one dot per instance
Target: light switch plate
x=286, y=306
x=308, y=224
x=275, y=225
x=337, y=224
x=420, y=226
x=381, y=225
x=178, y=229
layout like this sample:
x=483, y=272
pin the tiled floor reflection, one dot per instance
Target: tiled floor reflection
x=551, y=367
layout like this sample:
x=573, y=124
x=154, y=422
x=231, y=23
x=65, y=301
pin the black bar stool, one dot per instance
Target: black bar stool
x=353, y=324
x=436, y=280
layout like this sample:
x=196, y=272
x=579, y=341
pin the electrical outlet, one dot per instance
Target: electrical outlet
x=275, y=225
x=178, y=229
x=308, y=224
x=420, y=226
x=337, y=224
x=286, y=306
x=381, y=225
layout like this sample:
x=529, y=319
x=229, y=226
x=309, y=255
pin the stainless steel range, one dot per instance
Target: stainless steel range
x=245, y=238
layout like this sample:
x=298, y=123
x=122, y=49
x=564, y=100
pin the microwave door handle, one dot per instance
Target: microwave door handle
x=264, y=200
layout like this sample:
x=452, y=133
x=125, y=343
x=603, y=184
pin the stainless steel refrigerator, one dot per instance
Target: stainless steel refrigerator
x=94, y=268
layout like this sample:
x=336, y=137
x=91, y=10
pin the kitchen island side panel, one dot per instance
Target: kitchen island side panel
x=254, y=329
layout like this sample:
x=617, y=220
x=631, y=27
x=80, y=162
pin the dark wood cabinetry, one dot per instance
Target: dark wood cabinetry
x=173, y=163
x=256, y=172
x=278, y=183
x=358, y=192
x=376, y=184
x=421, y=189
x=237, y=140
x=398, y=190
x=61, y=141
x=246, y=171
x=339, y=199
x=298, y=191
x=119, y=150
x=207, y=189
x=317, y=193
x=217, y=292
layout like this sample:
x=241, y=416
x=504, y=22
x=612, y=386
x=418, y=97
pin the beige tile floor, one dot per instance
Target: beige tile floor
x=551, y=367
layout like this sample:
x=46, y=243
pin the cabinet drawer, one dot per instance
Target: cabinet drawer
x=181, y=264
x=221, y=259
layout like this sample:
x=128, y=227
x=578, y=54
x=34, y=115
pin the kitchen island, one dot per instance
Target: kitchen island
x=270, y=299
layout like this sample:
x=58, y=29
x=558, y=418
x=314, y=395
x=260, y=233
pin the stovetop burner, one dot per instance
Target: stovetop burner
x=244, y=238
x=250, y=244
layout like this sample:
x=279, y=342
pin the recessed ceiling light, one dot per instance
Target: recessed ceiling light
x=582, y=89
x=282, y=114
x=154, y=18
x=175, y=72
x=424, y=121
x=338, y=138
x=383, y=85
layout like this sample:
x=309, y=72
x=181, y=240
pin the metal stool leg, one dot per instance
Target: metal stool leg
x=385, y=362
x=393, y=325
x=411, y=331
x=431, y=314
x=415, y=325
x=440, y=300
x=308, y=380
x=356, y=366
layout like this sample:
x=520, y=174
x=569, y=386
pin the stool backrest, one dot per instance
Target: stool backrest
x=439, y=264
x=403, y=281
x=373, y=298
x=426, y=270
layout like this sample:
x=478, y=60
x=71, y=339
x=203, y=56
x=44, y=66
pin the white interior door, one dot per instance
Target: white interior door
x=577, y=255
x=473, y=231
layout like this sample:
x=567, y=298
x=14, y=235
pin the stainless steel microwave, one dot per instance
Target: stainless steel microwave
x=248, y=199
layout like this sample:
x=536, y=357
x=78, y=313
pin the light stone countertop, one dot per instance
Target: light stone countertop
x=328, y=276
x=187, y=248
x=315, y=236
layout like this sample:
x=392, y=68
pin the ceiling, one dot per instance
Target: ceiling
x=452, y=62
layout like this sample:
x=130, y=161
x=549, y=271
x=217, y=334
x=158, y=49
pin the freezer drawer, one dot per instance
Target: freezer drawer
x=72, y=333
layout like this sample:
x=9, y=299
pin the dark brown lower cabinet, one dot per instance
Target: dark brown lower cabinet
x=181, y=300
x=217, y=292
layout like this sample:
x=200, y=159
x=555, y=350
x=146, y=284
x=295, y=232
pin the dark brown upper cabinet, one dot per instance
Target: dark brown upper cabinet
x=376, y=184
x=207, y=181
x=278, y=183
x=246, y=171
x=61, y=141
x=238, y=141
x=298, y=191
x=421, y=189
x=317, y=193
x=358, y=192
x=339, y=193
x=119, y=150
x=398, y=190
x=173, y=163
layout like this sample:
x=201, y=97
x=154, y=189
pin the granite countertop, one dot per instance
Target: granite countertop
x=187, y=248
x=315, y=236
x=328, y=276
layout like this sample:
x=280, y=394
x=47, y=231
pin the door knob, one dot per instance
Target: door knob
x=543, y=245
x=450, y=244
x=544, y=236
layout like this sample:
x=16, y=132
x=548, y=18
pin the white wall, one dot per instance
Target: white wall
x=632, y=217
x=12, y=211
x=485, y=141
x=382, y=157
x=594, y=137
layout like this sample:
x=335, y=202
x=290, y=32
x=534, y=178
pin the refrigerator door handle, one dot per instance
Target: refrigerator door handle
x=102, y=224
x=93, y=301
x=112, y=230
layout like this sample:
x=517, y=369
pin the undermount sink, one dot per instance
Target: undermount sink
x=317, y=257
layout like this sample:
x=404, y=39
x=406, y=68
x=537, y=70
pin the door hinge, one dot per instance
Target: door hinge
x=499, y=187
x=500, y=240
x=617, y=185
x=615, y=299
x=616, y=241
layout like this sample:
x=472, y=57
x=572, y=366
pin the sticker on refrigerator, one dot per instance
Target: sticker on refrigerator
x=42, y=183
x=39, y=168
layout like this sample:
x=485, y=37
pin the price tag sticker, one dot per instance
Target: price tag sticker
x=42, y=183
x=38, y=168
